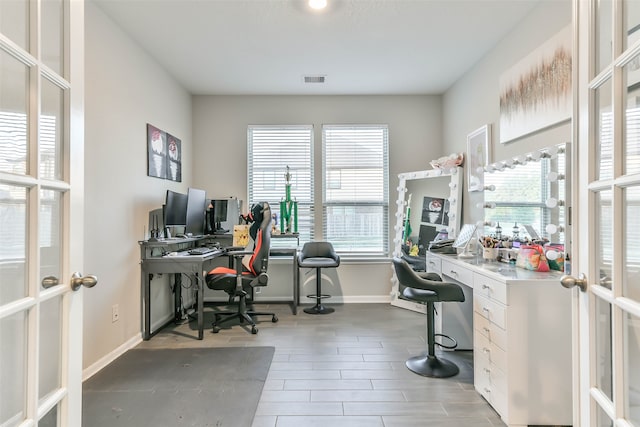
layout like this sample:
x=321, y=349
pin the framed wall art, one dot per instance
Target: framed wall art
x=478, y=156
x=536, y=92
x=164, y=155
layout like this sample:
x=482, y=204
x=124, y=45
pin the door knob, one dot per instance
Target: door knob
x=87, y=281
x=50, y=281
x=570, y=281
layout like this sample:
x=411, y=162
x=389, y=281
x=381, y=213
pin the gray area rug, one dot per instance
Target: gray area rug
x=178, y=387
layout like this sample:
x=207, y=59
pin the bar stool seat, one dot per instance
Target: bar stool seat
x=318, y=255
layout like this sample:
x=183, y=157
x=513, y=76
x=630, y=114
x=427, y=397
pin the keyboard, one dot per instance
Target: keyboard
x=202, y=251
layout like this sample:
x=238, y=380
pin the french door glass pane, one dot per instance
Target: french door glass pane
x=632, y=117
x=632, y=18
x=52, y=35
x=604, y=240
x=604, y=378
x=50, y=224
x=50, y=345
x=51, y=131
x=631, y=278
x=632, y=347
x=604, y=132
x=603, y=419
x=13, y=332
x=50, y=419
x=14, y=21
x=13, y=237
x=604, y=54
x=14, y=104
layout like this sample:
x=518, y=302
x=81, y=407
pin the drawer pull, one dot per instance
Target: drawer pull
x=486, y=287
x=455, y=273
x=487, y=371
x=487, y=330
x=487, y=390
x=485, y=350
x=486, y=309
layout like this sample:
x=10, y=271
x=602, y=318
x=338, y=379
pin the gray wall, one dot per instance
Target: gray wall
x=126, y=90
x=474, y=100
x=220, y=139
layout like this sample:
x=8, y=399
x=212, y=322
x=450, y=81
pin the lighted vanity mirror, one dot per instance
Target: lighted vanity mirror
x=532, y=193
x=434, y=202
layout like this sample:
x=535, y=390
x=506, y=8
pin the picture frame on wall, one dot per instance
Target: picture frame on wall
x=156, y=152
x=164, y=154
x=478, y=156
x=174, y=158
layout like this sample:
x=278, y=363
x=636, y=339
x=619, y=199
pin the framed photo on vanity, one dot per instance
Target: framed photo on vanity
x=478, y=156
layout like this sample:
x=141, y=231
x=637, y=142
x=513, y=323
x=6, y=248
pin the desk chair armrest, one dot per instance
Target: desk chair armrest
x=238, y=253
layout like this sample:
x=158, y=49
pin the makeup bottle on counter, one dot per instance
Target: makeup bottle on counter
x=567, y=263
x=498, y=232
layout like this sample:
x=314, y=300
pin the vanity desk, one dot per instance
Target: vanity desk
x=521, y=338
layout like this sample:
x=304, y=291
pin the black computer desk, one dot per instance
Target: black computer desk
x=153, y=262
x=182, y=263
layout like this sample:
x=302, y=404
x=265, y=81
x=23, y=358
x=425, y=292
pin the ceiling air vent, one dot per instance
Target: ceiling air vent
x=314, y=79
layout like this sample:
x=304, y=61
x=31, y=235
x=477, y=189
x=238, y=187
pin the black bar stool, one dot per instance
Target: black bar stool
x=318, y=255
x=427, y=288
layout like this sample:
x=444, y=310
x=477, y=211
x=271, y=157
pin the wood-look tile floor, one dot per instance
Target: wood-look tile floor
x=347, y=369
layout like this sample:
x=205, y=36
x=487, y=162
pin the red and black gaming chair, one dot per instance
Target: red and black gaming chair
x=241, y=281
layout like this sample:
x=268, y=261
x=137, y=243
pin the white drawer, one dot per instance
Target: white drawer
x=491, y=310
x=490, y=382
x=490, y=288
x=461, y=274
x=491, y=331
x=491, y=351
x=434, y=264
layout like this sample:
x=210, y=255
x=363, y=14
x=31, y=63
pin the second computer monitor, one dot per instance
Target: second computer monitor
x=196, y=208
x=219, y=211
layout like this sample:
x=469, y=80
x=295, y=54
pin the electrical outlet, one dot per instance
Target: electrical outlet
x=115, y=313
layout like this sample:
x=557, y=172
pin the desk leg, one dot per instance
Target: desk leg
x=200, y=307
x=296, y=284
x=177, y=298
x=146, y=309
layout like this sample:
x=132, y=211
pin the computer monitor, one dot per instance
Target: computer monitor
x=219, y=214
x=426, y=236
x=196, y=208
x=175, y=209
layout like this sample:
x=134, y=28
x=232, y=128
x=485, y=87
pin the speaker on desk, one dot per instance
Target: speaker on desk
x=208, y=225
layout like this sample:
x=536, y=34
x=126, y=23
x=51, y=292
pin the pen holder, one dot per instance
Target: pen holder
x=490, y=254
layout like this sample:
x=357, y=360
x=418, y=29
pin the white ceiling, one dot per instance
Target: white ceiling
x=361, y=46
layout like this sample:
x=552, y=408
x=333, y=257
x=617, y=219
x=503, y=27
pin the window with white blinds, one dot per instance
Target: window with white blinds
x=355, y=189
x=271, y=149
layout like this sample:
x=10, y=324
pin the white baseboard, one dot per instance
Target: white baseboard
x=104, y=361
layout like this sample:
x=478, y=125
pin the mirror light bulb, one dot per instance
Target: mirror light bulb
x=554, y=176
x=554, y=203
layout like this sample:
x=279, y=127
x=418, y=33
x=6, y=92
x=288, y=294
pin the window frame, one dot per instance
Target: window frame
x=328, y=179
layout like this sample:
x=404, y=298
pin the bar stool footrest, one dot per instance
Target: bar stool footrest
x=318, y=297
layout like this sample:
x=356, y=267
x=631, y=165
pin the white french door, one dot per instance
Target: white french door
x=41, y=211
x=608, y=211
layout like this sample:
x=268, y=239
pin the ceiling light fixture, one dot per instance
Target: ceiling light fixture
x=317, y=4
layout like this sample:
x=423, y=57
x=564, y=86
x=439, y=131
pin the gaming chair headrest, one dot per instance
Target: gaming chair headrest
x=258, y=213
